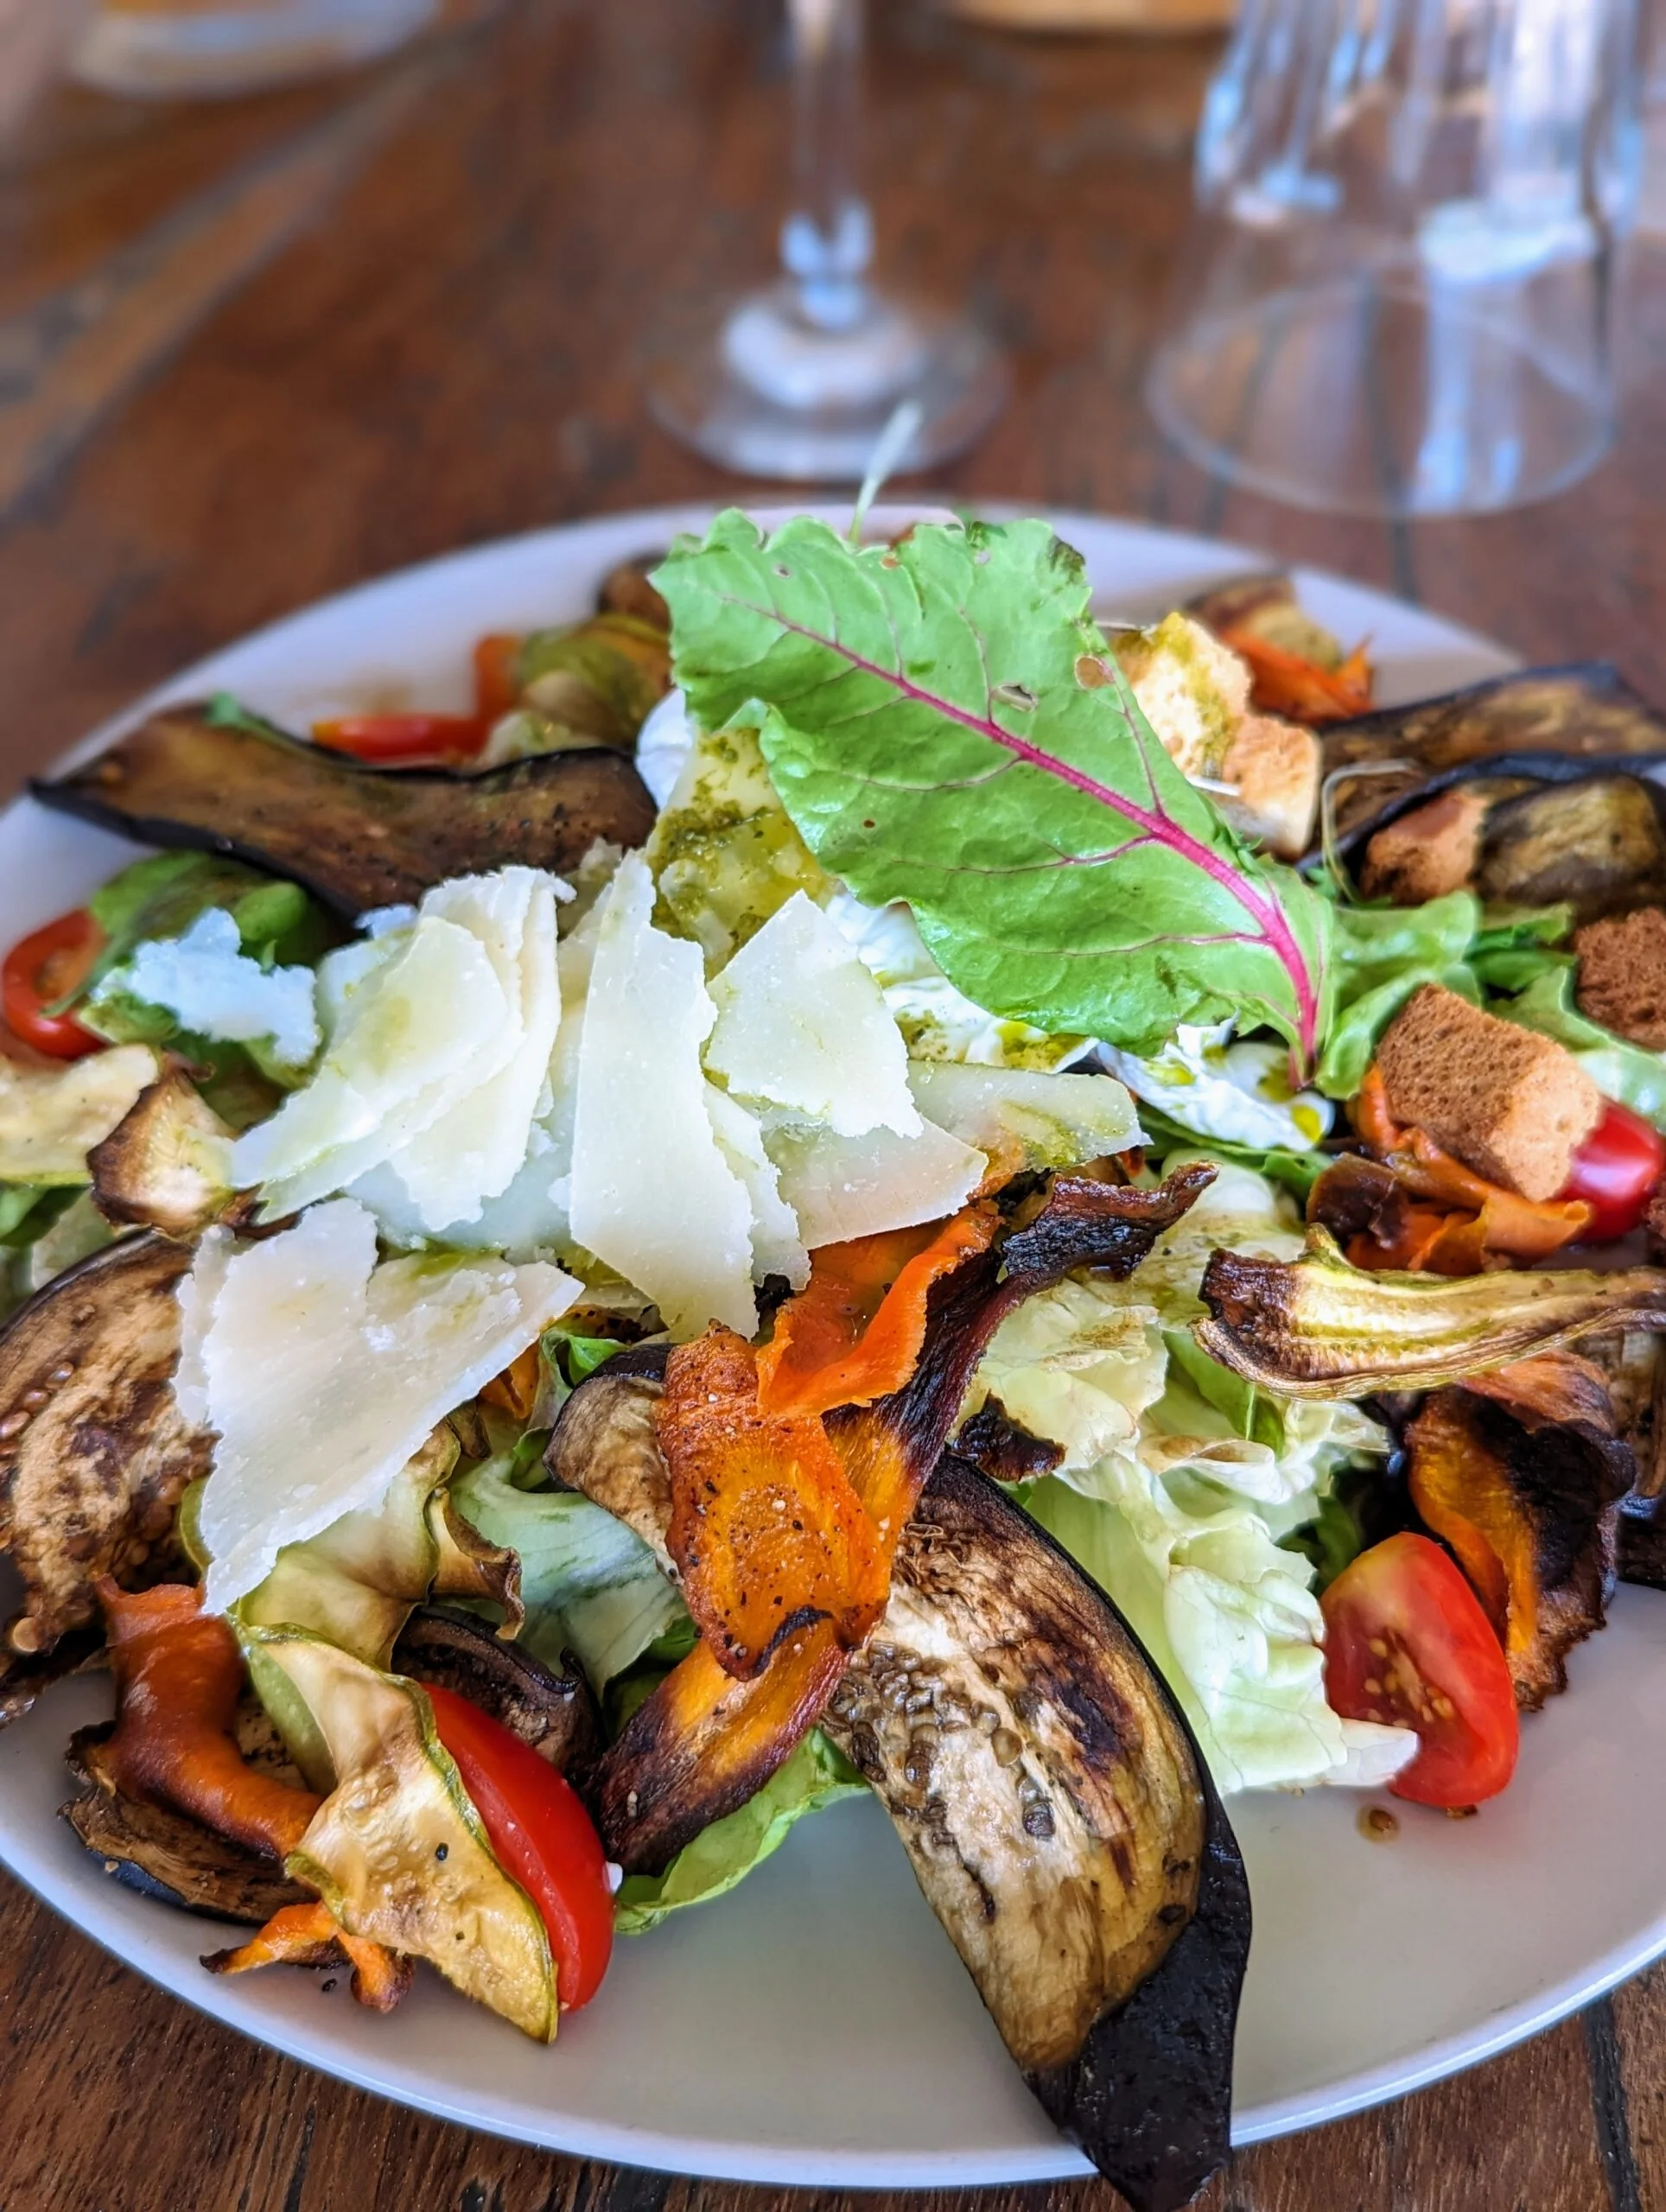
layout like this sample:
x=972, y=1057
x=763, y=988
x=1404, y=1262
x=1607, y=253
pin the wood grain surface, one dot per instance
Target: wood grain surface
x=250, y=353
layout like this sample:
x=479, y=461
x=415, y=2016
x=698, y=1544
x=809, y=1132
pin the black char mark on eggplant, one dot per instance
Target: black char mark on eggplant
x=1064, y=1828
x=1551, y=723
x=357, y=838
x=95, y=1456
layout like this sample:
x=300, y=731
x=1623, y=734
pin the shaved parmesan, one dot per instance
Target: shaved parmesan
x=652, y=1194
x=777, y=1247
x=437, y=1062
x=1024, y=1119
x=842, y=1187
x=211, y=986
x=51, y=1118
x=322, y=1373
x=801, y=1025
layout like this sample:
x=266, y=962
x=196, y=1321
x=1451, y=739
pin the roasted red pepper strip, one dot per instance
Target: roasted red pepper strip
x=403, y=740
x=43, y=967
x=855, y=1332
x=497, y=676
x=1286, y=684
x=179, y=1675
x=703, y=1743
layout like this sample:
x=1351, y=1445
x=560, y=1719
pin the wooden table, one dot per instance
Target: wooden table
x=250, y=353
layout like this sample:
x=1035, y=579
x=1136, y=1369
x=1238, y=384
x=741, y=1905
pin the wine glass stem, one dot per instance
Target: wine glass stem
x=827, y=240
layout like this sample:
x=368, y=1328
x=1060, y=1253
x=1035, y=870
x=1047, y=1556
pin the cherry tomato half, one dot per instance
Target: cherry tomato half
x=1406, y=1642
x=44, y=967
x=542, y=1836
x=397, y=741
x=1617, y=1170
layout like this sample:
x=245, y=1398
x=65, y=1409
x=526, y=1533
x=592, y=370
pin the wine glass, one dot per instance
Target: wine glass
x=800, y=378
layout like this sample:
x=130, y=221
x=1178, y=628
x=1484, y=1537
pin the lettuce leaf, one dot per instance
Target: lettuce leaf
x=723, y=1855
x=1178, y=1481
x=1062, y=870
x=590, y=1585
x=1630, y=1073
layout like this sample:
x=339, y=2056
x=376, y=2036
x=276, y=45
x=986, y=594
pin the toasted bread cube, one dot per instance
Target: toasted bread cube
x=1432, y=850
x=1622, y=975
x=1194, y=691
x=1513, y=1105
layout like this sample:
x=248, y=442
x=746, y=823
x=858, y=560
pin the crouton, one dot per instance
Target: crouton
x=1514, y=1106
x=1430, y=851
x=1622, y=975
x=1194, y=691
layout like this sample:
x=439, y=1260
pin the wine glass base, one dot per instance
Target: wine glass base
x=1379, y=399
x=751, y=384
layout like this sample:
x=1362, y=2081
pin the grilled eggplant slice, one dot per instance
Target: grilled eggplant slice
x=553, y=1713
x=702, y=1744
x=1064, y=1828
x=168, y=1855
x=604, y=1445
x=167, y=1164
x=95, y=1456
x=1556, y=724
x=1598, y=845
x=357, y=838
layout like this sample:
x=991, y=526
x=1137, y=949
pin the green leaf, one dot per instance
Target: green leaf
x=945, y=725
x=160, y=897
x=226, y=711
x=815, y=1775
x=590, y=1585
x=1630, y=1073
x=1295, y=1172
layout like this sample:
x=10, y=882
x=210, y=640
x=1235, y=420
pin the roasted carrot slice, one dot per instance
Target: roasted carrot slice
x=310, y=1935
x=855, y=1333
x=516, y=1390
x=1287, y=683
x=1519, y=1228
x=767, y=1533
x=704, y=1744
x=179, y=1675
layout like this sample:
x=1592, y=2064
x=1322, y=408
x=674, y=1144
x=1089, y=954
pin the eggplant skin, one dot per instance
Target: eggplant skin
x=1063, y=1826
x=555, y=1715
x=1554, y=723
x=167, y=1854
x=357, y=838
x=90, y=1482
x=604, y=1444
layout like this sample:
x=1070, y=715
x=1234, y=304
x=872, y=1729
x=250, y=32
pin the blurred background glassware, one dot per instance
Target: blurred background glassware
x=34, y=37
x=800, y=379
x=1397, y=295
x=218, y=48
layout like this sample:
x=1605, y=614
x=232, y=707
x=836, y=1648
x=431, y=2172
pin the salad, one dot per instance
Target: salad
x=853, y=1185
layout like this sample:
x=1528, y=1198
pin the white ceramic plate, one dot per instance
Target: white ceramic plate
x=817, y=2026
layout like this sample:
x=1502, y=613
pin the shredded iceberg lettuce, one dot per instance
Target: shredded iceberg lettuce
x=1178, y=1481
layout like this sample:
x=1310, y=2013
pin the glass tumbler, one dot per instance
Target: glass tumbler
x=1396, y=297
x=216, y=48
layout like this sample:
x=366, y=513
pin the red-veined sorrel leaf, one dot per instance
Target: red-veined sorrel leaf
x=945, y=725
